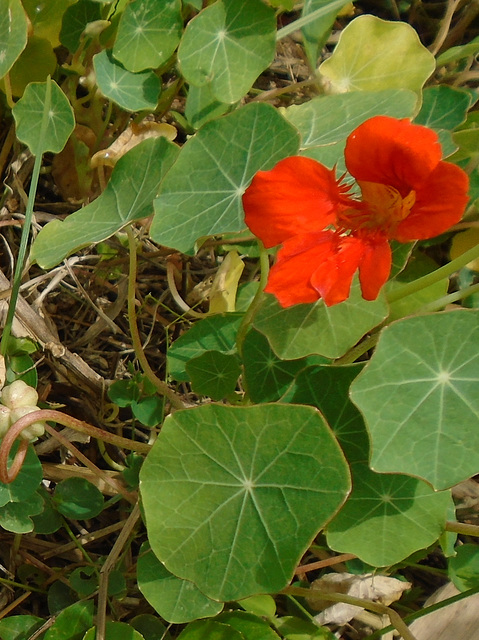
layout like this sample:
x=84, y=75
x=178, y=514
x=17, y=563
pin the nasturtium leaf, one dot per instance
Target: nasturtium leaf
x=201, y=106
x=201, y=195
x=250, y=625
x=213, y=374
x=77, y=498
x=115, y=631
x=374, y=54
x=260, y=605
x=148, y=33
x=36, y=62
x=418, y=395
x=75, y=19
x=211, y=629
x=327, y=388
x=150, y=627
x=292, y=628
x=266, y=376
x=19, y=627
x=316, y=32
x=443, y=107
x=233, y=496
x=44, y=117
x=463, y=567
x=305, y=329
x=128, y=196
x=227, y=45
x=46, y=18
x=419, y=265
x=175, y=599
x=13, y=34
x=326, y=121
x=215, y=333
x=131, y=91
x=72, y=622
x=454, y=54
x=388, y=517
x=27, y=481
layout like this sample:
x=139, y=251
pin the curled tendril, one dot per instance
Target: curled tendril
x=8, y=475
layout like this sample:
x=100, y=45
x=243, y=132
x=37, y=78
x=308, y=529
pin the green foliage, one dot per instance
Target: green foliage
x=77, y=498
x=237, y=467
x=287, y=449
x=374, y=54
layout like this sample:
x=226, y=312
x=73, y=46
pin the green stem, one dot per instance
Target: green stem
x=449, y=299
x=463, y=528
x=22, y=252
x=377, y=607
x=314, y=15
x=436, y=276
x=424, y=612
x=161, y=387
x=255, y=303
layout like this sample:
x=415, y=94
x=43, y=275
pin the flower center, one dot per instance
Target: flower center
x=382, y=208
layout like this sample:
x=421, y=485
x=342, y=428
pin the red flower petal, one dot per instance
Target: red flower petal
x=393, y=152
x=440, y=203
x=313, y=266
x=290, y=278
x=298, y=195
x=375, y=265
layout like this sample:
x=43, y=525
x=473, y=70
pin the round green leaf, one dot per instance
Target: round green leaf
x=374, y=54
x=19, y=627
x=46, y=17
x=233, y=496
x=227, y=45
x=201, y=195
x=84, y=580
x=150, y=627
x=72, y=622
x=326, y=121
x=77, y=498
x=115, y=631
x=213, y=374
x=305, y=329
x=36, y=62
x=148, y=33
x=418, y=396
x=75, y=19
x=463, y=568
x=175, y=599
x=211, y=630
x=128, y=196
x=13, y=34
x=44, y=117
x=388, y=517
x=215, y=333
x=443, y=107
x=131, y=91
x=327, y=389
x=251, y=626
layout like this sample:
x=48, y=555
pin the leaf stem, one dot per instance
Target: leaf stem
x=377, y=607
x=17, y=278
x=161, y=387
x=255, y=303
x=436, y=276
x=310, y=17
x=463, y=528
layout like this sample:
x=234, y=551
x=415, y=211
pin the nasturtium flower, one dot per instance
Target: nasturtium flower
x=328, y=234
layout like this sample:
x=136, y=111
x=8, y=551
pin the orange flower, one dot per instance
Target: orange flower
x=327, y=234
